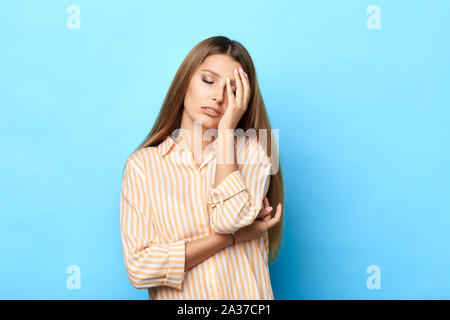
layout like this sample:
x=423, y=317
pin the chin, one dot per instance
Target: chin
x=210, y=125
x=208, y=122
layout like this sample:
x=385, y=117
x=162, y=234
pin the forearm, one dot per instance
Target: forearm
x=237, y=199
x=226, y=156
x=203, y=248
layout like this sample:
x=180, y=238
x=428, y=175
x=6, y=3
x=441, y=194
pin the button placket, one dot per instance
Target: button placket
x=198, y=185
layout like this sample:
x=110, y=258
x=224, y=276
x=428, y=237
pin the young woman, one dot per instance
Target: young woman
x=195, y=222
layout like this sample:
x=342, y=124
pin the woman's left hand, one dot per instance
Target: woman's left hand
x=237, y=105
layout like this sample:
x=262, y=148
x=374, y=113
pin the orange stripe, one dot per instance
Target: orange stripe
x=164, y=202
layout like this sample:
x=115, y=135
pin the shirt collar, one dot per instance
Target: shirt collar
x=169, y=144
x=166, y=145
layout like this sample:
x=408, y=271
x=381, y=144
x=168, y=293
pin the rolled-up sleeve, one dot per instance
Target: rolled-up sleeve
x=237, y=200
x=148, y=262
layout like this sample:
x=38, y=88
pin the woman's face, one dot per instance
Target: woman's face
x=207, y=88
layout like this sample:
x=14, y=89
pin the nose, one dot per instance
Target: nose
x=221, y=92
x=218, y=94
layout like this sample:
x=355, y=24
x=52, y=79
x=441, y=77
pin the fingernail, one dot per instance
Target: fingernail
x=269, y=209
x=245, y=74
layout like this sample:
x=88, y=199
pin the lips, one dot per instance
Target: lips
x=212, y=110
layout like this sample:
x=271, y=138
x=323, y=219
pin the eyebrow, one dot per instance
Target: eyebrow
x=212, y=72
x=218, y=75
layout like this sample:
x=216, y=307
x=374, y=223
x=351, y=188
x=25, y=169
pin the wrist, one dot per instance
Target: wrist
x=233, y=238
x=226, y=147
x=225, y=131
x=230, y=240
x=225, y=239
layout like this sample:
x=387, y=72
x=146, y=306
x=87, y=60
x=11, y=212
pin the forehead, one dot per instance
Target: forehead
x=219, y=65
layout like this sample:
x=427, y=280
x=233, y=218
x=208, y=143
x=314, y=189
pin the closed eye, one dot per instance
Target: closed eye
x=208, y=82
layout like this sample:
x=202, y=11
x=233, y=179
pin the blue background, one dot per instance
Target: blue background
x=364, y=132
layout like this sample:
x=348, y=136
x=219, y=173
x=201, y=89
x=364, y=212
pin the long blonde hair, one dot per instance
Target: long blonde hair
x=255, y=117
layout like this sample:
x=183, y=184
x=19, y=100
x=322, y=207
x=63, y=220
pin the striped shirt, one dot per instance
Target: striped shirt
x=167, y=199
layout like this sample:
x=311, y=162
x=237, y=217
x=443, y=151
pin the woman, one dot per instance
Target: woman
x=193, y=224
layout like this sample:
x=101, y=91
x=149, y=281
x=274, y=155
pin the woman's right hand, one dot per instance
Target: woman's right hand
x=265, y=211
x=258, y=227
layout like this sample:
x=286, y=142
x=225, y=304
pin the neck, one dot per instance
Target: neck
x=189, y=127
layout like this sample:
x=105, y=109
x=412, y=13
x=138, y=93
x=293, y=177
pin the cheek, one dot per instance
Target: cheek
x=201, y=93
x=197, y=94
x=194, y=99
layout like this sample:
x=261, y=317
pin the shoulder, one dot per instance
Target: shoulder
x=140, y=159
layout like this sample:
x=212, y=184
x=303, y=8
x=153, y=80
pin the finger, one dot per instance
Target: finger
x=263, y=212
x=267, y=218
x=276, y=218
x=239, y=87
x=278, y=213
x=260, y=213
x=266, y=202
x=229, y=93
x=263, y=216
x=246, y=84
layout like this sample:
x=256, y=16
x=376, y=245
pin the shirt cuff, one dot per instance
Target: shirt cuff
x=177, y=260
x=229, y=187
